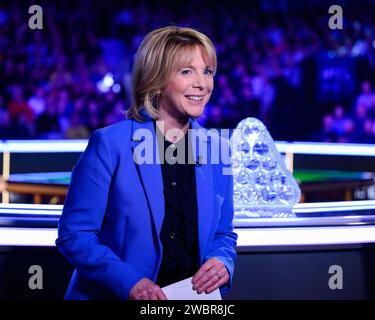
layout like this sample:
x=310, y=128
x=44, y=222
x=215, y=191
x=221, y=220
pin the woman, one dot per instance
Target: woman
x=131, y=227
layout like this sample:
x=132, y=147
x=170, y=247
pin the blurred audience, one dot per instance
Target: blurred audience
x=357, y=125
x=72, y=77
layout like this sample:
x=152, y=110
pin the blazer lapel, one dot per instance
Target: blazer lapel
x=204, y=185
x=143, y=140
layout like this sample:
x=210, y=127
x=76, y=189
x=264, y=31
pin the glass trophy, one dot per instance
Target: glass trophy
x=262, y=185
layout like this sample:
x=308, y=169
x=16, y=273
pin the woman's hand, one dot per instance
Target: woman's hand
x=210, y=276
x=146, y=289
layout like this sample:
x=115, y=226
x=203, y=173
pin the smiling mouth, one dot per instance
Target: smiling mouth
x=195, y=98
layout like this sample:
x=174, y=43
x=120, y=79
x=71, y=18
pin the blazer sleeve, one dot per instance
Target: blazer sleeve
x=82, y=218
x=223, y=246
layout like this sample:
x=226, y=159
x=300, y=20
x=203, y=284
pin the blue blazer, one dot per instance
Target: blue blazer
x=113, y=214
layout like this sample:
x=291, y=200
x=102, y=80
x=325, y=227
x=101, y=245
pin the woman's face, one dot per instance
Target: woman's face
x=188, y=90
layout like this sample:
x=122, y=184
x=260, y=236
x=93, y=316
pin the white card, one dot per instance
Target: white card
x=183, y=290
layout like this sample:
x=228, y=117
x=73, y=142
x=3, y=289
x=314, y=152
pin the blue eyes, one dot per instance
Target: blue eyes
x=187, y=72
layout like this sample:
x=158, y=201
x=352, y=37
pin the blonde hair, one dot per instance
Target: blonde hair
x=159, y=53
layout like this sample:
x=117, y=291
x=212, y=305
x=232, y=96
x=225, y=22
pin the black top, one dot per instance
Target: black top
x=179, y=233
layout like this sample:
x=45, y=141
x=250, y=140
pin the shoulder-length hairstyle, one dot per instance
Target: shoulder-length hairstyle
x=160, y=52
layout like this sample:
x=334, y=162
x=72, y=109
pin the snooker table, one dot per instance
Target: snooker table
x=316, y=185
x=39, y=184
x=331, y=185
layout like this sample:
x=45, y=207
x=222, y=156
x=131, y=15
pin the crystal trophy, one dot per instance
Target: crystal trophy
x=262, y=185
